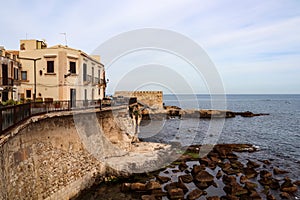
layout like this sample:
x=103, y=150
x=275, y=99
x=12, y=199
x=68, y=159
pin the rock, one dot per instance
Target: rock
x=152, y=185
x=214, y=184
x=250, y=172
x=291, y=189
x=174, y=185
x=229, y=180
x=186, y=178
x=231, y=155
x=202, y=185
x=288, y=186
x=235, y=164
x=195, y=194
x=255, y=196
x=225, y=166
x=297, y=183
x=214, y=157
x=219, y=174
x=213, y=198
x=163, y=179
x=235, y=190
x=285, y=195
x=265, y=174
x=270, y=197
x=265, y=181
x=125, y=187
x=250, y=186
x=138, y=187
x=176, y=193
x=252, y=164
x=243, y=179
x=230, y=114
x=158, y=193
x=203, y=176
x=205, y=161
x=230, y=171
x=212, y=165
x=175, y=171
x=196, y=169
x=277, y=171
x=267, y=162
x=229, y=197
x=246, y=114
x=170, y=186
x=275, y=184
x=222, y=152
x=182, y=166
x=148, y=197
x=182, y=186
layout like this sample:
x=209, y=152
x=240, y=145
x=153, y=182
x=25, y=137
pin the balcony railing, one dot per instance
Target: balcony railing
x=6, y=81
x=102, y=82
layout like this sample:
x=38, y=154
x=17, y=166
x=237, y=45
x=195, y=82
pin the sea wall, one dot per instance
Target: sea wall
x=46, y=158
x=153, y=99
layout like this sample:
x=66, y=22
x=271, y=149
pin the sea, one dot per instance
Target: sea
x=277, y=135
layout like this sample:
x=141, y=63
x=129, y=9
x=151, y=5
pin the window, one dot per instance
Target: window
x=28, y=94
x=93, y=91
x=85, y=94
x=16, y=73
x=72, y=69
x=98, y=75
x=24, y=75
x=50, y=66
x=84, y=72
x=92, y=75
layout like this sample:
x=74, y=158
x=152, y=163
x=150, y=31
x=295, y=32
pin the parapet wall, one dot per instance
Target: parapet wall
x=153, y=99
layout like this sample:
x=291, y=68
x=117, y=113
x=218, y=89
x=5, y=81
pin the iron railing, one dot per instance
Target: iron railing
x=10, y=116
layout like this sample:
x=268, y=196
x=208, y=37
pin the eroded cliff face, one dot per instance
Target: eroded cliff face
x=54, y=156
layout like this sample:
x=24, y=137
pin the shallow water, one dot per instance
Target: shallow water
x=277, y=134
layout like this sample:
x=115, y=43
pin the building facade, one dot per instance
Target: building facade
x=10, y=68
x=59, y=73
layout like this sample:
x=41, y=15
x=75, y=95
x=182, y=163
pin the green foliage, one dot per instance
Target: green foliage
x=38, y=100
x=9, y=102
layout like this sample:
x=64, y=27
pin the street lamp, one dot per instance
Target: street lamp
x=34, y=65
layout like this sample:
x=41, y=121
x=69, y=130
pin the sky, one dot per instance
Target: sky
x=254, y=45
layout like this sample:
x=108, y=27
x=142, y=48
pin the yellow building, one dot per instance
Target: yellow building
x=9, y=75
x=59, y=73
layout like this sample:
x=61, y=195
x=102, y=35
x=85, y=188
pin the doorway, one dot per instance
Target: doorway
x=73, y=98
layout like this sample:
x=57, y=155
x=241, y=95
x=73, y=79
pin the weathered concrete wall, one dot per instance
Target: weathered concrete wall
x=48, y=160
x=153, y=99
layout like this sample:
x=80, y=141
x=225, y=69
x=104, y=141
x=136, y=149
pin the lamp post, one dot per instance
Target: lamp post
x=34, y=73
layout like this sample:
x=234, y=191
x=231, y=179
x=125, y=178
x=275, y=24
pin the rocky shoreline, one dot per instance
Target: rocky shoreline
x=174, y=111
x=219, y=175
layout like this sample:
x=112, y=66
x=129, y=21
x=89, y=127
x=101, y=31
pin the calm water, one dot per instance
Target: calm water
x=277, y=135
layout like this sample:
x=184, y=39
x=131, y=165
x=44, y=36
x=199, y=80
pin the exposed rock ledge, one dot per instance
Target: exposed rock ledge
x=174, y=111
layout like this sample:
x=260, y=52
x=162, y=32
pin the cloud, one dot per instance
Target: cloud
x=249, y=37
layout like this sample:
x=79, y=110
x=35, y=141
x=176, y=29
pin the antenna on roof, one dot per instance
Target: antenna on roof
x=66, y=44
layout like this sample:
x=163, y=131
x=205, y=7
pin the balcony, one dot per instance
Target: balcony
x=102, y=82
x=6, y=81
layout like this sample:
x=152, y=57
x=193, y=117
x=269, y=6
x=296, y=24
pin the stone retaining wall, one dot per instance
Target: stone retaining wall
x=46, y=159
